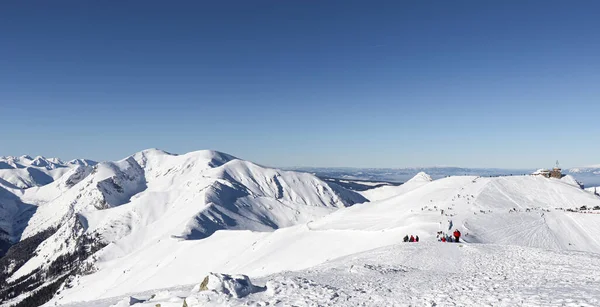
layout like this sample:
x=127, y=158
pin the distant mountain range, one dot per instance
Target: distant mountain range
x=25, y=172
x=589, y=176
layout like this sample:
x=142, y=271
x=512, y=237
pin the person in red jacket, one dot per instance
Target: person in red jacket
x=456, y=235
x=412, y=239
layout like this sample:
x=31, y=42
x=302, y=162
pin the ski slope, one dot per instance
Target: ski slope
x=525, y=211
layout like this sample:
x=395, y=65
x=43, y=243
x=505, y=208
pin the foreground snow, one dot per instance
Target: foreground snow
x=412, y=274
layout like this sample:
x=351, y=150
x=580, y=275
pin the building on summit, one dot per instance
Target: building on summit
x=556, y=172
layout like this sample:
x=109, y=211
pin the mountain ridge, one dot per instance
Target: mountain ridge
x=153, y=194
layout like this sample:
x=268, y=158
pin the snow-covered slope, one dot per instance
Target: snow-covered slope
x=572, y=181
x=154, y=195
x=528, y=211
x=388, y=191
x=595, y=190
x=426, y=274
x=156, y=220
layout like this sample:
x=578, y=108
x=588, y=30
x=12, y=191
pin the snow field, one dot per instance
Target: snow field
x=415, y=274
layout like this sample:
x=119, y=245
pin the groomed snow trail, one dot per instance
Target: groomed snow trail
x=418, y=274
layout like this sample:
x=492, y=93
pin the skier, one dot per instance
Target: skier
x=405, y=238
x=456, y=235
x=443, y=239
x=417, y=239
x=412, y=239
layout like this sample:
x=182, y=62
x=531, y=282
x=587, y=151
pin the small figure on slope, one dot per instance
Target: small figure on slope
x=405, y=238
x=412, y=239
x=456, y=235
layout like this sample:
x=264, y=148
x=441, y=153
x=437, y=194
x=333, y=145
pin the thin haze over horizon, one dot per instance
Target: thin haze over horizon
x=337, y=83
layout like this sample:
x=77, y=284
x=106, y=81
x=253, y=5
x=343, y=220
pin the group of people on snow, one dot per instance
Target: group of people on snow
x=443, y=237
x=411, y=239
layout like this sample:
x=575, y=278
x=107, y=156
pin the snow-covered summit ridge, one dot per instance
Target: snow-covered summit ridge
x=420, y=177
x=154, y=158
x=384, y=192
x=39, y=161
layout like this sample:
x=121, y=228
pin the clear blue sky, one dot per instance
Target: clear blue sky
x=304, y=83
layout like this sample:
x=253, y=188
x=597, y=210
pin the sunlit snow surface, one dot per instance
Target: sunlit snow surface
x=526, y=215
x=416, y=274
x=169, y=220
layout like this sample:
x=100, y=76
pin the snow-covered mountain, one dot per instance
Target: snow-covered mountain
x=526, y=211
x=25, y=172
x=595, y=169
x=154, y=195
x=156, y=220
x=27, y=182
x=488, y=210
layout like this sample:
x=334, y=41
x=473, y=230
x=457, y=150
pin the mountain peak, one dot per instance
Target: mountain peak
x=421, y=177
x=217, y=158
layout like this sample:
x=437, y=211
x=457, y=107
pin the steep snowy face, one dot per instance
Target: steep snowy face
x=83, y=189
x=54, y=243
x=10, y=206
x=14, y=214
x=193, y=195
x=247, y=196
